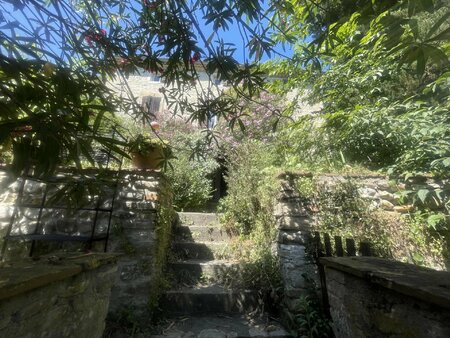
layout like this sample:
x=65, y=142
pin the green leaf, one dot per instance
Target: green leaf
x=437, y=25
x=434, y=220
x=423, y=194
x=421, y=62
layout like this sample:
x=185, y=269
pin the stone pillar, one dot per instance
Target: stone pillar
x=141, y=225
x=293, y=223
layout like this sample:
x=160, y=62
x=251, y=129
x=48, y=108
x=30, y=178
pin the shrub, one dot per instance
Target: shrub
x=195, y=163
x=251, y=186
x=191, y=182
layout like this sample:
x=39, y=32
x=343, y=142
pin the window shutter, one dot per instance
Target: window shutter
x=151, y=105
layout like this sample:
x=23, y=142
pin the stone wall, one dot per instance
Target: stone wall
x=294, y=232
x=56, y=296
x=384, y=193
x=295, y=218
x=140, y=225
x=374, y=297
x=141, y=85
x=141, y=230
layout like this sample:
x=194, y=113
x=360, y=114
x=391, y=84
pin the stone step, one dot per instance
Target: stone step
x=221, y=326
x=196, y=271
x=199, y=218
x=200, y=250
x=201, y=233
x=208, y=299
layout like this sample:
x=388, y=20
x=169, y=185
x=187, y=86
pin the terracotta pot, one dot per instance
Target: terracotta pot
x=150, y=160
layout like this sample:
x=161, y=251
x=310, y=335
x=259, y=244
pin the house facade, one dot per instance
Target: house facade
x=148, y=89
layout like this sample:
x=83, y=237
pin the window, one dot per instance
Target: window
x=211, y=121
x=151, y=105
x=154, y=77
x=220, y=82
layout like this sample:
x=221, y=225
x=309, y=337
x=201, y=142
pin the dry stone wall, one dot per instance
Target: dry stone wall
x=141, y=231
x=384, y=193
x=294, y=232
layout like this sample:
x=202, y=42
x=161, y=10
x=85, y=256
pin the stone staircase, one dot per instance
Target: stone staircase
x=199, y=304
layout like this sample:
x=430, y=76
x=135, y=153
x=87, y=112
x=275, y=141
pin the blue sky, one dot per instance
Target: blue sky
x=232, y=35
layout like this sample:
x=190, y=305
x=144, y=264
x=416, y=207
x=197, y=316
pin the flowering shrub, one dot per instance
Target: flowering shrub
x=256, y=120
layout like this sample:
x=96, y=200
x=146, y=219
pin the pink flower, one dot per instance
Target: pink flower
x=154, y=125
x=195, y=57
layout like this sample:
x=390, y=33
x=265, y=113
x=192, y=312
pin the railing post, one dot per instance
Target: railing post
x=350, y=246
x=365, y=249
x=338, y=246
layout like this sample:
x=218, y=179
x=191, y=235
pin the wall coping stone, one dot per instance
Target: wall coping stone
x=22, y=276
x=298, y=174
x=289, y=175
x=428, y=285
x=144, y=173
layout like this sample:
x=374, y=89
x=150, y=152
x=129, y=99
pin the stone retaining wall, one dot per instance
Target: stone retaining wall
x=295, y=218
x=384, y=193
x=139, y=230
x=374, y=297
x=56, y=296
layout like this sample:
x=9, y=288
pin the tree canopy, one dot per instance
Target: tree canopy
x=380, y=69
x=56, y=56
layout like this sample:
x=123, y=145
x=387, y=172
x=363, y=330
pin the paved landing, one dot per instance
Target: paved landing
x=220, y=326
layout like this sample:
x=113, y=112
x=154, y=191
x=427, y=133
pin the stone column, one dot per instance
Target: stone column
x=293, y=223
x=141, y=225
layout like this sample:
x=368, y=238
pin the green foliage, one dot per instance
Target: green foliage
x=52, y=119
x=428, y=237
x=308, y=319
x=298, y=149
x=340, y=211
x=251, y=185
x=306, y=187
x=248, y=211
x=144, y=144
x=191, y=182
x=261, y=270
x=194, y=164
x=380, y=70
x=56, y=59
x=421, y=237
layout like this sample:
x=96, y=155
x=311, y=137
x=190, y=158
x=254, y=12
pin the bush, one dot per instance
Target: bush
x=251, y=185
x=195, y=163
x=420, y=238
x=191, y=182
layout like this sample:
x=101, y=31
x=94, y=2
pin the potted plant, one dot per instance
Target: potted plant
x=149, y=152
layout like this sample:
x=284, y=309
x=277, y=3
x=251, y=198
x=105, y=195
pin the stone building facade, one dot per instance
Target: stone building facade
x=149, y=89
